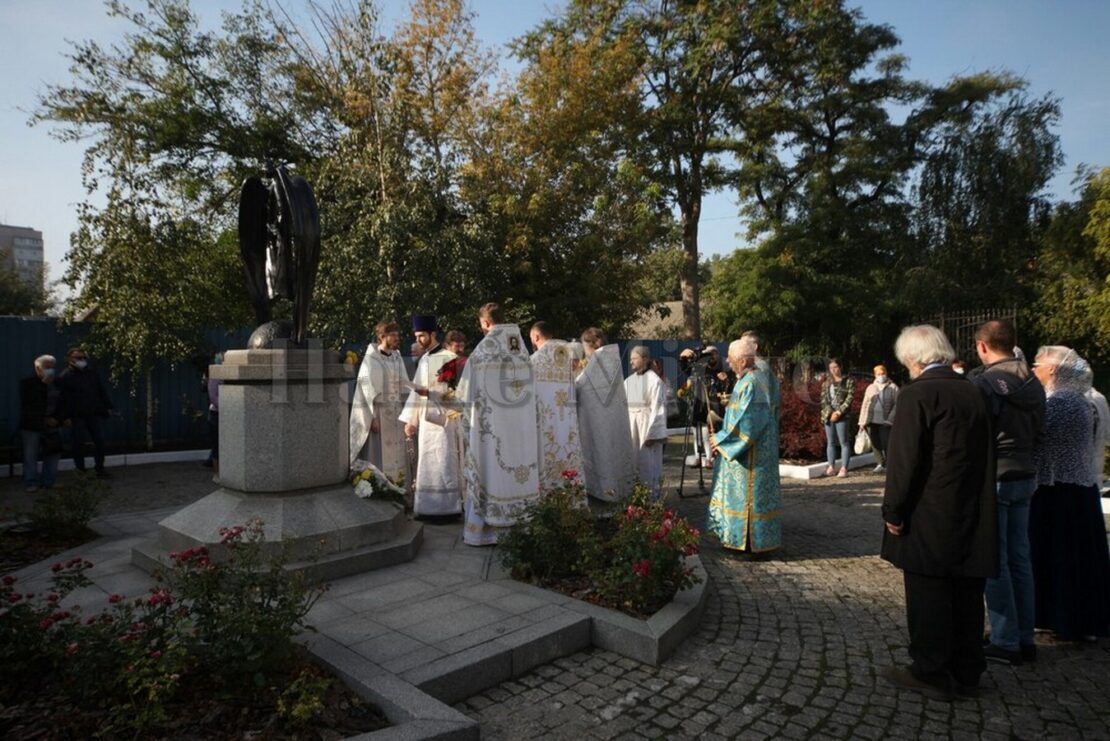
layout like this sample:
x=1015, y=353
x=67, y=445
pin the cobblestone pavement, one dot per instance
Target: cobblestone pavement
x=790, y=647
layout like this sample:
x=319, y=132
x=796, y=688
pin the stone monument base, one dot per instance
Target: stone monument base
x=326, y=533
x=283, y=461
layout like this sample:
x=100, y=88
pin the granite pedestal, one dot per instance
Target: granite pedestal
x=283, y=460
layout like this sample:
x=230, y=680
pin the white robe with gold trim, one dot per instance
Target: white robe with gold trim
x=501, y=470
x=557, y=413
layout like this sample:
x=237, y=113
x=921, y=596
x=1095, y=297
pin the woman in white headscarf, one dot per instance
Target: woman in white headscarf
x=1067, y=534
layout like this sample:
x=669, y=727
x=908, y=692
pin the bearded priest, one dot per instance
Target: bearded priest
x=376, y=435
x=497, y=394
x=438, y=489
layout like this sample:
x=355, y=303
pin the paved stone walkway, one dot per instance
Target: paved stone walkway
x=790, y=648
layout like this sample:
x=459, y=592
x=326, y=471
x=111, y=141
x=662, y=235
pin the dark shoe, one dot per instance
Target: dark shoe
x=999, y=655
x=966, y=691
x=1029, y=653
x=904, y=679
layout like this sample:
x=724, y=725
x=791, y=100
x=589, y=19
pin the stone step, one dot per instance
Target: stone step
x=401, y=548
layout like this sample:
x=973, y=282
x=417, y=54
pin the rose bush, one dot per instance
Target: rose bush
x=634, y=561
x=224, y=624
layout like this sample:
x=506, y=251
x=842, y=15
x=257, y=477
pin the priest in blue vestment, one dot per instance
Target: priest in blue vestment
x=745, y=505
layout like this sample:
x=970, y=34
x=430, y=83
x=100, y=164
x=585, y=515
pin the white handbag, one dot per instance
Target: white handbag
x=863, y=442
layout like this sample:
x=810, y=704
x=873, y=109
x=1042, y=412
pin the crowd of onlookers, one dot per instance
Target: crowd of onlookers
x=992, y=490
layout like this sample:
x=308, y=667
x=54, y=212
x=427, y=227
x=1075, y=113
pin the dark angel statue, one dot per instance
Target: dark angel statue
x=279, y=241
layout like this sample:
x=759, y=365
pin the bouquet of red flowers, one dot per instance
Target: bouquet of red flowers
x=451, y=372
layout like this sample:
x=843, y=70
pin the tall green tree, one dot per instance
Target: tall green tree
x=823, y=172
x=18, y=297
x=691, y=63
x=1073, y=273
x=172, y=117
x=980, y=206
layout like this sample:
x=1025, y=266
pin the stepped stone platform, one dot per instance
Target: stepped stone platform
x=418, y=636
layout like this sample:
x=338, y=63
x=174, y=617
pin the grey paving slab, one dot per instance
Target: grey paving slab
x=353, y=629
x=484, y=634
x=453, y=623
x=403, y=591
x=441, y=605
x=386, y=646
x=484, y=592
x=517, y=603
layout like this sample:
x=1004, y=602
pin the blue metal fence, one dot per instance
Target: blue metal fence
x=179, y=403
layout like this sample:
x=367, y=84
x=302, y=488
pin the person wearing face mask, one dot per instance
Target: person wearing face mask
x=40, y=420
x=87, y=403
x=877, y=413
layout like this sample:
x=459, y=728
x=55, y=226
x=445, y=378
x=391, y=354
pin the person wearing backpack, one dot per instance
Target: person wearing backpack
x=1016, y=400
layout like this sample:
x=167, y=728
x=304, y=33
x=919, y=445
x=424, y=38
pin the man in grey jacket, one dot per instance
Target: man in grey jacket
x=1017, y=403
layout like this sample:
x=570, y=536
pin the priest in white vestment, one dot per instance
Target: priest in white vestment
x=647, y=417
x=376, y=435
x=497, y=395
x=556, y=408
x=608, y=458
x=438, y=487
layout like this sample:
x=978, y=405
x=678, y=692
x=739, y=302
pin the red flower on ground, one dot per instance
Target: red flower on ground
x=9, y=580
x=115, y=598
x=570, y=474
x=643, y=568
x=160, y=596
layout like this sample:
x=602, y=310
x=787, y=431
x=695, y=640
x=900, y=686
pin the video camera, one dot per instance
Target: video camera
x=705, y=358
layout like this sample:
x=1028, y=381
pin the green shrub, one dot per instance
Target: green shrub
x=222, y=624
x=634, y=561
x=555, y=539
x=245, y=608
x=67, y=509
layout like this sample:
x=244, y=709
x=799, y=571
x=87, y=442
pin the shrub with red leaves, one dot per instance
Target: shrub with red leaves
x=801, y=434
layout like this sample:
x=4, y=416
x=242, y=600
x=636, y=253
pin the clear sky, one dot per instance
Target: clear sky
x=1057, y=45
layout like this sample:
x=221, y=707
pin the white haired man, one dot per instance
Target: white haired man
x=939, y=507
x=40, y=421
x=745, y=505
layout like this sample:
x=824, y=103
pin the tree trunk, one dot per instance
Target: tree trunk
x=691, y=306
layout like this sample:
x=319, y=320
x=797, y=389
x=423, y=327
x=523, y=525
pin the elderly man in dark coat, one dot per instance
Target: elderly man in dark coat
x=940, y=513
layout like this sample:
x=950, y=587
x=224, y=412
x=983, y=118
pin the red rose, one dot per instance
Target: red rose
x=643, y=568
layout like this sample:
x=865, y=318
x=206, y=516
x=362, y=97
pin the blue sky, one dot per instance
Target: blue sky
x=1057, y=45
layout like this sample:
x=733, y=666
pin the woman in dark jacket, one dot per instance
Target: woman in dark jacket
x=836, y=400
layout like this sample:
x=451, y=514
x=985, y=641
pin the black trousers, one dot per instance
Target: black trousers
x=880, y=438
x=87, y=428
x=945, y=620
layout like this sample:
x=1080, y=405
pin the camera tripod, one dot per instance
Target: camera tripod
x=698, y=387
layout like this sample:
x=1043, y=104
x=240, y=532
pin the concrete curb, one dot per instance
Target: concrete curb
x=817, y=470
x=415, y=715
x=653, y=640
